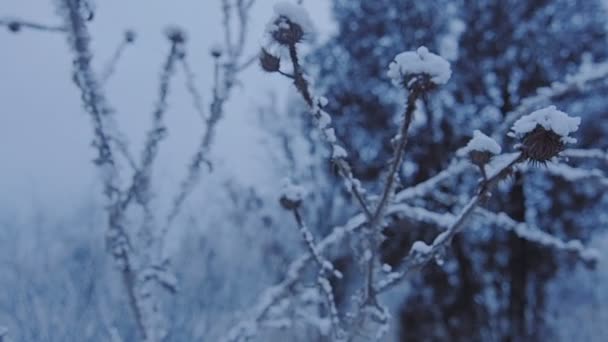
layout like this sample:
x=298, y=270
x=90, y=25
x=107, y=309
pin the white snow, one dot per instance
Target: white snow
x=420, y=61
x=550, y=119
x=291, y=191
x=482, y=143
x=339, y=152
x=292, y=12
x=421, y=247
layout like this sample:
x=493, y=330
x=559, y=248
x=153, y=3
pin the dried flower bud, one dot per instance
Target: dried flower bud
x=291, y=197
x=480, y=158
x=269, y=62
x=541, y=145
x=130, y=36
x=175, y=35
x=14, y=26
x=216, y=51
x=480, y=149
x=287, y=32
x=289, y=203
x=544, y=133
x=419, y=70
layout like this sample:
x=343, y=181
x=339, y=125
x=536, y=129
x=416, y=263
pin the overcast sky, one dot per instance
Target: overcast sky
x=45, y=135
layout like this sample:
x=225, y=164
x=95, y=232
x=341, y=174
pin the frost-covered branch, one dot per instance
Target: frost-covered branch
x=588, y=75
x=271, y=296
x=291, y=26
x=574, y=174
x=534, y=234
x=596, y=154
x=226, y=72
x=421, y=253
x=117, y=238
x=291, y=199
x=417, y=72
x=543, y=135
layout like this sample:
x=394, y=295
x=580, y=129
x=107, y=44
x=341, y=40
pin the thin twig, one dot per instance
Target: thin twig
x=15, y=25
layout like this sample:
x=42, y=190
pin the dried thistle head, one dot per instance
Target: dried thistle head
x=290, y=25
x=419, y=70
x=541, y=145
x=269, y=62
x=290, y=203
x=130, y=36
x=480, y=158
x=291, y=196
x=480, y=149
x=175, y=34
x=544, y=133
x=287, y=32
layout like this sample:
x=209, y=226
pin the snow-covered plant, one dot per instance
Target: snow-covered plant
x=544, y=133
x=419, y=72
x=414, y=197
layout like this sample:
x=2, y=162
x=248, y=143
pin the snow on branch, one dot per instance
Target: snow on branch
x=534, y=234
x=418, y=72
x=423, y=253
x=291, y=199
x=589, y=75
x=586, y=154
x=228, y=63
x=574, y=174
x=407, y=65
x=285, y=30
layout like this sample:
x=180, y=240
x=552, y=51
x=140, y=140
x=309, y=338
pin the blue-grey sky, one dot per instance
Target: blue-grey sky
x=45, y=135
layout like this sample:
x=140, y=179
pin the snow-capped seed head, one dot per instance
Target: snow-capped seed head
x=269, y=62
x=544, y=133
x=291, y=195
x=216, y=51
x=130, y=36
x=14, y=26
x=419, y=70
x=175, y=34
x=480, y=149
x=290, y=24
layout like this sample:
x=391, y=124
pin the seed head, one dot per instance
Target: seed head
x=269, y=62
x=541, y=145
x=287, y=32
